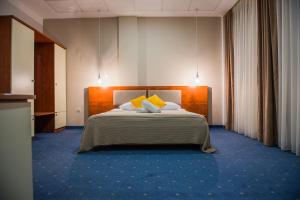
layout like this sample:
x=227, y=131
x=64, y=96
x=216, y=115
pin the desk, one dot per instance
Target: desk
x=15, y=147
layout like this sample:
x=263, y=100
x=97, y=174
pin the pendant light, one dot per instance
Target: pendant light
x=99, y=57
x=197, y=79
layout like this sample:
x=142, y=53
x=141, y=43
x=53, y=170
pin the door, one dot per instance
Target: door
x=31, y=101
x=60, y=120
x=22, y=62
x=22, y=59
x=60, y=86
x=15, y=151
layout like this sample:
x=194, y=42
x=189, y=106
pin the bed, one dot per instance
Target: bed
x=113, y=126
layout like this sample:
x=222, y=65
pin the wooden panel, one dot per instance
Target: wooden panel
x=15, y=97
x=44, y=77
x=44, y=123
x=5, y=57
x=193, y=99
x=41, y=38
x=39, y=114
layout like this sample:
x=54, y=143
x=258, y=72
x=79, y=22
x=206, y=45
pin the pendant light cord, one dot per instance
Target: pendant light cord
x=197, y=39
x=99, y=47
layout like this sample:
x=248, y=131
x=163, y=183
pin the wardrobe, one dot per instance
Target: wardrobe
x=17, y=59
x=50, y=87
x=33, y=63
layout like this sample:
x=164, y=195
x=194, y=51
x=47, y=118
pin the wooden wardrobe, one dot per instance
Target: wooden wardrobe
x=17, y=59
x=50, y=87
x=33, y=63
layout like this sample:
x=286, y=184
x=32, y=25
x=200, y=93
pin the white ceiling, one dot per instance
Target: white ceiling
x=110, y=8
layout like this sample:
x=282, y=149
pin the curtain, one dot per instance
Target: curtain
x=267, y=72
x=229, y=69
x=245, y=67
x=288, y=13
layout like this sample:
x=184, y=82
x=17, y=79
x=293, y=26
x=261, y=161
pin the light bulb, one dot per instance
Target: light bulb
x=197, y=79
x=99, y=80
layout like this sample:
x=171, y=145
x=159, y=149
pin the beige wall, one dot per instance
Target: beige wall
x=139, y=51
x=6, y=8
x=80, y=36
x=128, y=50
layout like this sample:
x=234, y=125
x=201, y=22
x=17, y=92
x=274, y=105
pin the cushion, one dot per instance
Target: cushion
x=127, y=106
x=137, y=102
x=156, y=101
x=171, y=106
x=150, y=107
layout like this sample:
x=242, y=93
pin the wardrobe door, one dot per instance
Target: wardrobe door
x=60, y=120
x=22, y=62
x=15, y=151
x=31, y=101
x=60, y=86
x=22, y=59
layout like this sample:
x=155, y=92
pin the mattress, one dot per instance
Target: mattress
x=120, y=127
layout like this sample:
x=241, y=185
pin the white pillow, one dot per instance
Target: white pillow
x=171, y=106
x=127, y=106
x=150, y=107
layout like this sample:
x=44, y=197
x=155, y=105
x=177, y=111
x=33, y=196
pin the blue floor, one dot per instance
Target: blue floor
x=242, y=168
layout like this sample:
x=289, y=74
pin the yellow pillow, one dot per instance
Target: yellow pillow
x=137, y=102
x=157, y=101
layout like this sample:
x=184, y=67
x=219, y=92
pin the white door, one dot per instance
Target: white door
x=60, y=120
x=22, y=60
x=31, y=101
x=15, y=151
x=22, y=63
x=60, y=86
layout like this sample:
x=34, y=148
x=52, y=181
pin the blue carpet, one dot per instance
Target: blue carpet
x=242, y=168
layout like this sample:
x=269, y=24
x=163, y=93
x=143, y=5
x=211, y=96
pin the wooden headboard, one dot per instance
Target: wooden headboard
x=193, y=99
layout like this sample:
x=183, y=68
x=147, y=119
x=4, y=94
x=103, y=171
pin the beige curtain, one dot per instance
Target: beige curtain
x=267, y=72
x=288, y=24
x=245, y=70
x=229, y=69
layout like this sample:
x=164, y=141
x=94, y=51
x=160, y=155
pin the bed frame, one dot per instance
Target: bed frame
x=193, y=99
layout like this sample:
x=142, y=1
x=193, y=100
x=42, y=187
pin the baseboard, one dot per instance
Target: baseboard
x=216, y=126
x=74, y=127
x=81, y=127
x=59, y=129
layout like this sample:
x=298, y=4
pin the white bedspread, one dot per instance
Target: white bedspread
x=118, y=127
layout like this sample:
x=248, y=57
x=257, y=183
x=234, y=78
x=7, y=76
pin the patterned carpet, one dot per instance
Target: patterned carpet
x=242, y=168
